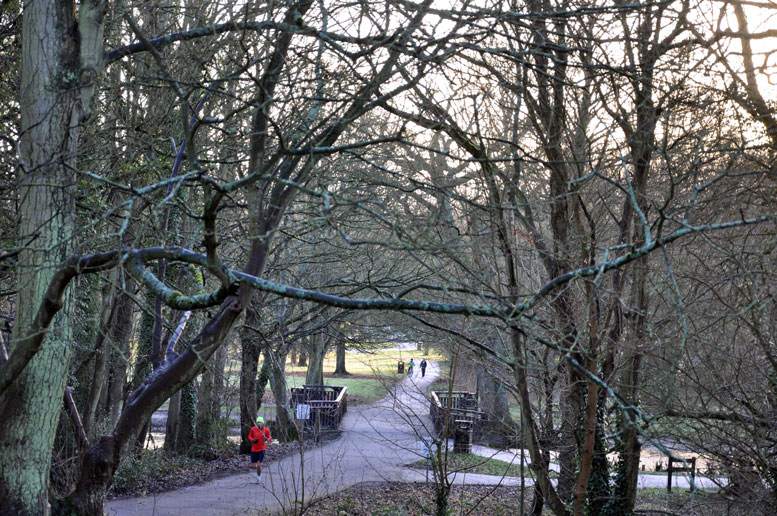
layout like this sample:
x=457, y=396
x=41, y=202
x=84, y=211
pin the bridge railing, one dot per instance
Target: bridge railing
x=462, y=409
x=327, y=404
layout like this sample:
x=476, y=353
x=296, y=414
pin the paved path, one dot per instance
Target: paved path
x=377, y=443
x=645, y=480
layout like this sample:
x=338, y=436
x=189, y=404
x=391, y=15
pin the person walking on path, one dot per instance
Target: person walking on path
x=259, y=437
x=410, y=367
x=423, y=368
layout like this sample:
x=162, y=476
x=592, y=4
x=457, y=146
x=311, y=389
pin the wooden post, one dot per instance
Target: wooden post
x=670, y=468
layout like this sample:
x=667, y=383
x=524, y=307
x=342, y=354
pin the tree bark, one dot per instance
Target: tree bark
x=187, y=415
x=97, y=379
x=285, y=424
x=249, y=360
x=121, y=332
x=207, y=401
x=340, y=359
x=493, y=401
x=316, y=352
x=52, y=107
x=173, y=423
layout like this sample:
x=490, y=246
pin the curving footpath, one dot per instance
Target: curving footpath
x=377, y=443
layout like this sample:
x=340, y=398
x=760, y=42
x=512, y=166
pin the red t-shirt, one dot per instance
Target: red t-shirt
x=263, y=435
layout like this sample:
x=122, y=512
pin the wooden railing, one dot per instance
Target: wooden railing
x=463, y=407
x=328, y=404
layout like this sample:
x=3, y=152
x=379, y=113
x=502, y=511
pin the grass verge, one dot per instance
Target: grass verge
x=470, y=463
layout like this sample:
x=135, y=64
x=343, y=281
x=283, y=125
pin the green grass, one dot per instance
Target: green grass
x=376, y=363
x=373, y=373
x=470, y=463
x=360, y=390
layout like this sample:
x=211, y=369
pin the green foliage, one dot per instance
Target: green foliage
x=138, y=473
x=187, y=418
x=476, y=464
x=346, y=505
x=599, y=483
x=616, y=505
x=442, y=493
x=219, y=445
x=63, y=507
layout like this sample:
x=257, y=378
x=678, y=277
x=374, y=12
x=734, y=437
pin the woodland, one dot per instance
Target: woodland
x=577, y=196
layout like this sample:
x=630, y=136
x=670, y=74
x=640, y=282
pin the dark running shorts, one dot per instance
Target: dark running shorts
x=257, y=456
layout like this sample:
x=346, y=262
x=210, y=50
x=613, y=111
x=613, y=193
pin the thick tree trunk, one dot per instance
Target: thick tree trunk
x=207, y=401
x=51, y=111
x=572, y=410
x=493, y=401
x=141, y=369
x=316, y=353
x=173, y=423
x=340, y=359
x=120, y=334
x=248, y=365
x=187, y=416
x=264, y=378
x=219, y=383
x=285, y=425
x=97, y=379
x=97, y=470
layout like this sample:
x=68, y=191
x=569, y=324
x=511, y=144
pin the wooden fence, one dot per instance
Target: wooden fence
x=326, y=404
x=463, y=407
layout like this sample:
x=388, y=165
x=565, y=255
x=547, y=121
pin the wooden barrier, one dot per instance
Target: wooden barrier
x=464, y=418
x=328, y=404
x=670, y=468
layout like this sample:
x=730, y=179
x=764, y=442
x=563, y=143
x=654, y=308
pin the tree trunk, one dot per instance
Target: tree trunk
x=572, y=409
x=316, y=353
x=493, y=401
x=141, y=369
x=121, y=333
x=219, y=385
x=340, y=360
x=264, y=377
x=97, y=380
x=248, y=365
x=539, y=461
x=207, y=400
x=285, y=425
x=187, y=416
x=173, y=423
x=51, y=110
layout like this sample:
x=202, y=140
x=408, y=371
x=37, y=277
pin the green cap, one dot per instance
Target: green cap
x=260, y=419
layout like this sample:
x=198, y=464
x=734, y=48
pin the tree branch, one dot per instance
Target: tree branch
x=72, y=411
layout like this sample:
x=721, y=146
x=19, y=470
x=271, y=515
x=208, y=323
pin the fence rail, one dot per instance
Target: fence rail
x=462, y=409
x=327, y=405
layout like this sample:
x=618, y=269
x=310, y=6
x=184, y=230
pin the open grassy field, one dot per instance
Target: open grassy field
x=371, y=373
x=377, y=362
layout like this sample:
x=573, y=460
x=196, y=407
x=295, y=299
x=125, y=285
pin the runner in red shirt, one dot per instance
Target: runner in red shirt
x=259, y=437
